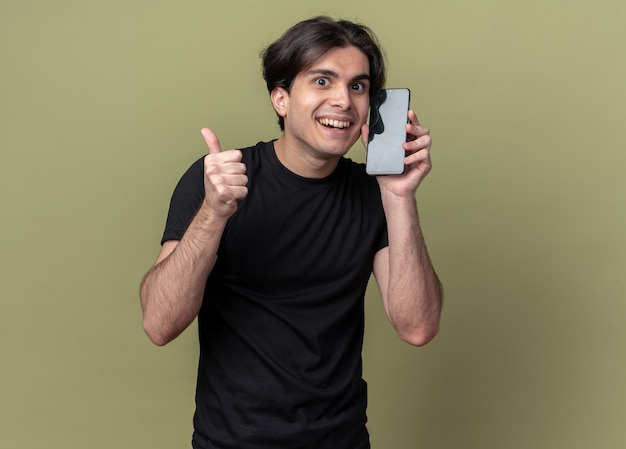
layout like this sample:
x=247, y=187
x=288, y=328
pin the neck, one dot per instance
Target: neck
x=304, y=164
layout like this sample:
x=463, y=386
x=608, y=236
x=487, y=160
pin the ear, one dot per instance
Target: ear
x=280, y=101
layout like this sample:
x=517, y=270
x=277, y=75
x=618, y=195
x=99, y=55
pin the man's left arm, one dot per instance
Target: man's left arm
x=411, y=291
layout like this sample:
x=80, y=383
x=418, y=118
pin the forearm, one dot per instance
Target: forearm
x=172, y=291
x=414, y=293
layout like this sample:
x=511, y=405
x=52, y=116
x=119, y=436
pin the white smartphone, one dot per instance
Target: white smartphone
x=387, y=133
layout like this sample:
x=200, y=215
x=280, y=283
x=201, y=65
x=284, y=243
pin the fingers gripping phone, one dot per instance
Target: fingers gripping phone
x=387, y=132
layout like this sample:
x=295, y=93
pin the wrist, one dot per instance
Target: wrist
x=401, y=198
x=210, y=218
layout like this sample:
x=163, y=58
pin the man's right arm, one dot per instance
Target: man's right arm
x=172, y=291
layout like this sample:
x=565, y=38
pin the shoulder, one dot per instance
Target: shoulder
x=192, y=180
x=250, y=154
x=255, y=152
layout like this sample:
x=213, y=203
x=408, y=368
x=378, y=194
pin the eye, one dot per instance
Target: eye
x=321, y=81
x=359, y=87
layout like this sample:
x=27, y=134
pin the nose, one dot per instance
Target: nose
x=341, y=98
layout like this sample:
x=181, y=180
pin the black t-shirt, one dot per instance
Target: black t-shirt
x=281, y=325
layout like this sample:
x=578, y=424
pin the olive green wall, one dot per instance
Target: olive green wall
x=101, y=103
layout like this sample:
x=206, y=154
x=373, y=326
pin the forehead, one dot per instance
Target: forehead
x=345, y=61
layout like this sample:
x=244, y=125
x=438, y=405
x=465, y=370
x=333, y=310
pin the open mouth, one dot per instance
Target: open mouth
x=336, y=124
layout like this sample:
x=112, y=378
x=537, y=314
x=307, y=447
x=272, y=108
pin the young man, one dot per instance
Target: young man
x=272, y=246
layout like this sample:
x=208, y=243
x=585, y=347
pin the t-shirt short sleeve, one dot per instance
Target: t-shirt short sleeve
x=186, y=200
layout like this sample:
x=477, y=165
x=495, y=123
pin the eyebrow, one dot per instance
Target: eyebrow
x=363, y=76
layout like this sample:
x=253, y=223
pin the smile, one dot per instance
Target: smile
x=340, y=124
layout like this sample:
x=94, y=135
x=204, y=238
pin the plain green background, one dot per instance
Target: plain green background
x=101, y=103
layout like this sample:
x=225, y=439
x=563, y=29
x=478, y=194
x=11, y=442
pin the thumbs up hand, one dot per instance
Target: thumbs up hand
x=225, y=180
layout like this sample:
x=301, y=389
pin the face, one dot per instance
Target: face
x=327, y=105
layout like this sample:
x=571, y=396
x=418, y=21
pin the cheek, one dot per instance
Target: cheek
x=299, y=107
x=364, y=110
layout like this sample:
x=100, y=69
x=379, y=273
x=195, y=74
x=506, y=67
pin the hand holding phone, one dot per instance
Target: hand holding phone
x=387, y=132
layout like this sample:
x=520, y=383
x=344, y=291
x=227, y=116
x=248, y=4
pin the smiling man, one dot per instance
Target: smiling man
x=271, y=247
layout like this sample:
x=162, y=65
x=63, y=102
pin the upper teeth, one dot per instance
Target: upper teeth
x=334, y=123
